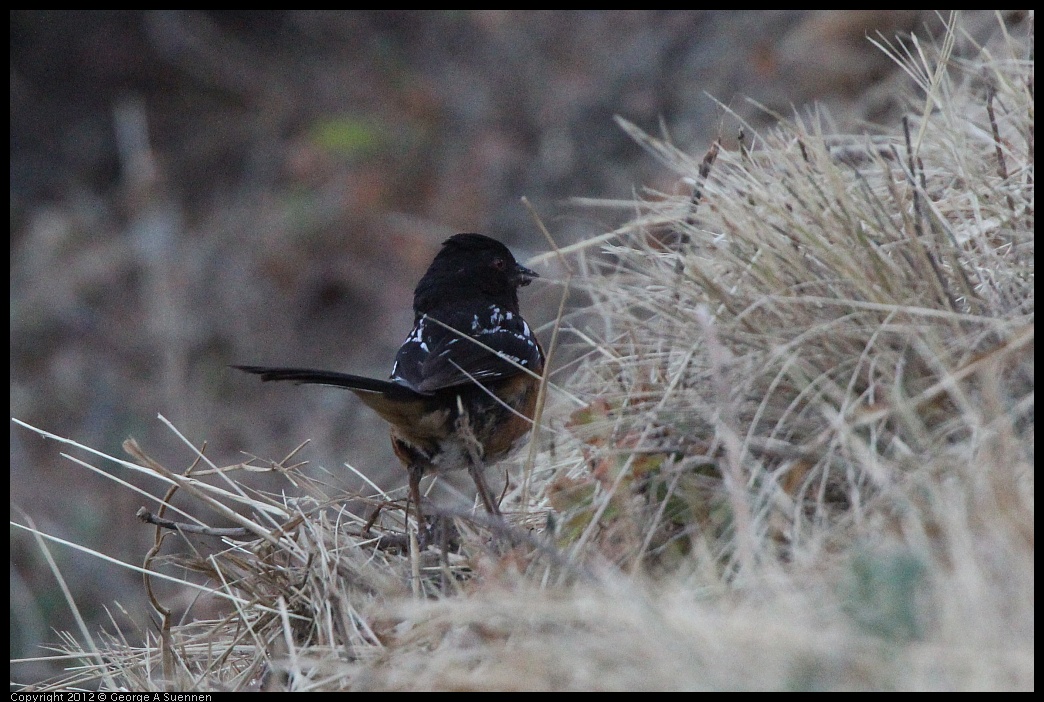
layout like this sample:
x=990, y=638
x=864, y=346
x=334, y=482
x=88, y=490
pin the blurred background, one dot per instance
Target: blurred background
x=194, y=189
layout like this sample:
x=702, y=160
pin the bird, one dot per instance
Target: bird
x=464, y=386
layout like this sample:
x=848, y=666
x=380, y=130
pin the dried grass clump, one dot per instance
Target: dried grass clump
x=802, y=456
x=821, y=323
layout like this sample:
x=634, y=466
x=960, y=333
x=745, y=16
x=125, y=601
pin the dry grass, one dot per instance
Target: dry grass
x=794, y=450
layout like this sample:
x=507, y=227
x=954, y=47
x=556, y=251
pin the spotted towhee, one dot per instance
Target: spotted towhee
x=464, y=385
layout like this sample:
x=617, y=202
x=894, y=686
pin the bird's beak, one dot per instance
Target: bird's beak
x=523, y=275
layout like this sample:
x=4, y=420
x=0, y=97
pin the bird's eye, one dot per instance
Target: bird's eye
x=499, y=263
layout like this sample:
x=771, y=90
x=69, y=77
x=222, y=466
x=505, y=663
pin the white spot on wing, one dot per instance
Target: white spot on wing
x=417, y=336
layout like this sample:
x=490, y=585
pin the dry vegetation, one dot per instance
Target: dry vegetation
x=794, y=450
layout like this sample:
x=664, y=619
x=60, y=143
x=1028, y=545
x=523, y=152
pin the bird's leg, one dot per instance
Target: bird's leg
x=475, y=467
x=416, y=472
x=474, y=460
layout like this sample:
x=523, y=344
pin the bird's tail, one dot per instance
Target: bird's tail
x=357, y=383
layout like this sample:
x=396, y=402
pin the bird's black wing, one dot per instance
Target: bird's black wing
x=484, y=344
